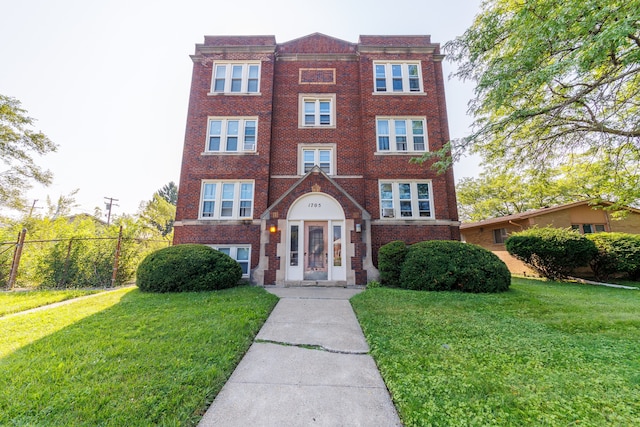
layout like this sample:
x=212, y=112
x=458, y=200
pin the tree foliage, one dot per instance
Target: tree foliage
x=169, y=192
x=18, y=145
x=554, y=78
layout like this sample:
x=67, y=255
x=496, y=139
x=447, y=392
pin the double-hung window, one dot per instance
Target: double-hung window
x=317, y=110
x=239, y=253
x=406, y=200
x=401, y=134
x=231, y=135
x=317, y=156
x=226, y=200
x=236, y=77
x=397, y=77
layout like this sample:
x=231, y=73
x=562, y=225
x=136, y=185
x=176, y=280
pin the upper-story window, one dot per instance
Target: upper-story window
x=317, y=110
x=231, y=135
x=236, y=77
x=226, y=200
x=405, y=199
x=397, y=77
x=400, y=134
x=321, y=155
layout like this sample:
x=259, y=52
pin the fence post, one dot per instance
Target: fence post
x=16, y=259
x=63, y=281
x=117, y=257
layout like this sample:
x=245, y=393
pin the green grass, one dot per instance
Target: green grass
x=542, y=354
x=14, y=302
x=125, y=357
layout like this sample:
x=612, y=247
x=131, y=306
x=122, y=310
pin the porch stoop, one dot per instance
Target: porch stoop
x=315, y=283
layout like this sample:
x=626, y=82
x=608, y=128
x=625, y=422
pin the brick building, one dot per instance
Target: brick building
x=296, y=155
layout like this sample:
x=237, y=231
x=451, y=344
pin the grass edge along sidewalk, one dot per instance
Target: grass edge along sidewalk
x=128, y=358
x=543, y=353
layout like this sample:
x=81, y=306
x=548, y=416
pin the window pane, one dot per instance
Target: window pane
x=227, y=191
x=414, y=79
x=209, y=191
x=397, y=77
x=245, y=208
x=236, y=78
x=337, y=245
x=424, y=208
x=250, y=135
x=423, y=191
x=401, y=135
x=225, y=251
x=232, y=127
x=309, y=107
x=236, y=85
x=404, y=191
x=244, y=265
x=383, y=143
x=232, y=143
x=381, y=81
x=325, y=107
x=405, y=209
x=218, y=85
x=418, y=143
x=227, y=209
x=207, y=209
x=215, y=127
x=293, y=256
x=252, y=85
x=599, y=228
x=386, y=191
x=232, y=138
x=325, y=156
x=246, y=191
x=309, y=156
x=253, y=71
x=587, y=228
x=214, y=143
x=383, y=127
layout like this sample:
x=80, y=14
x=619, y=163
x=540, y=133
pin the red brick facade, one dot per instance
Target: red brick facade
x=342, y=75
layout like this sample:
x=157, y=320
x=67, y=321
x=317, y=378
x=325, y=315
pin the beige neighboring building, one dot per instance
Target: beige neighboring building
x=492, y=233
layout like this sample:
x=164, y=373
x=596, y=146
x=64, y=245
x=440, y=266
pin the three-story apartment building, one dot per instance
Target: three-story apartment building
x=296, y=155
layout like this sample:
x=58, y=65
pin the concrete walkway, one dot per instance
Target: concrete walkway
x=308, y=366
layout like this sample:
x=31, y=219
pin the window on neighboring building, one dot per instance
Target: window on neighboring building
x=226, y=200
x=405, y=200
x=231, y=135
x=397, y=77
x=321, y=156
x=589, y=228
x=236, y=77
x=242, y=254
x=317, y=110
x=401, y=134
x=499, y=235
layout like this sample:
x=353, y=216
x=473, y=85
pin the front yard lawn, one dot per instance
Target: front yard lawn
x=543, y=353
x=125, y=358
x=13, y=302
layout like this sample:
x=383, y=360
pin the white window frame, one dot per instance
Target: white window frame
x=223, y=201
x=228, y=78
x=394, y=208
x=393, y=143
x=303, y=164
x=233, y=253
x=318, y=116
x=225, y=135
x=389, y=74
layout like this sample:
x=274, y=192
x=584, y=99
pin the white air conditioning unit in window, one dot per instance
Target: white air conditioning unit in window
x=387, y=213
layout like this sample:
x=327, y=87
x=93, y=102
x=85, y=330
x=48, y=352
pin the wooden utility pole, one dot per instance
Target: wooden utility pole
x=116, y=259
x=109, y=206
x=16, y=258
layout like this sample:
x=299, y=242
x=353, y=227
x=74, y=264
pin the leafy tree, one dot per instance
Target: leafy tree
x=554, y=78
x=169, y=192
x=63, y=205
x=157, y=216
x=18, y=144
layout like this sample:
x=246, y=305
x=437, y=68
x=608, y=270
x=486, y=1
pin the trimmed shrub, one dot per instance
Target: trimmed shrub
x=390, y=259
x=552, y=252
x=190, y=267
x=442, y=265
x=617, y=253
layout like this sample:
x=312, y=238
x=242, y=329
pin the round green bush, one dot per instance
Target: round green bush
x=189, y=267
x=390, y=259
x=617, y=253
x=552, y=252
x=443, y=265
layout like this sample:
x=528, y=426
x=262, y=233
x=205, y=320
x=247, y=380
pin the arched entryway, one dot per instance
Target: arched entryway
x=315, y=238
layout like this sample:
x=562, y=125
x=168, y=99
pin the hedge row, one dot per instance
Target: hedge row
x=556, y=252
x=442, y=265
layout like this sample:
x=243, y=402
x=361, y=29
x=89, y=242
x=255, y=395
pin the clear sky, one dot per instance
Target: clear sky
x=108, y=81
